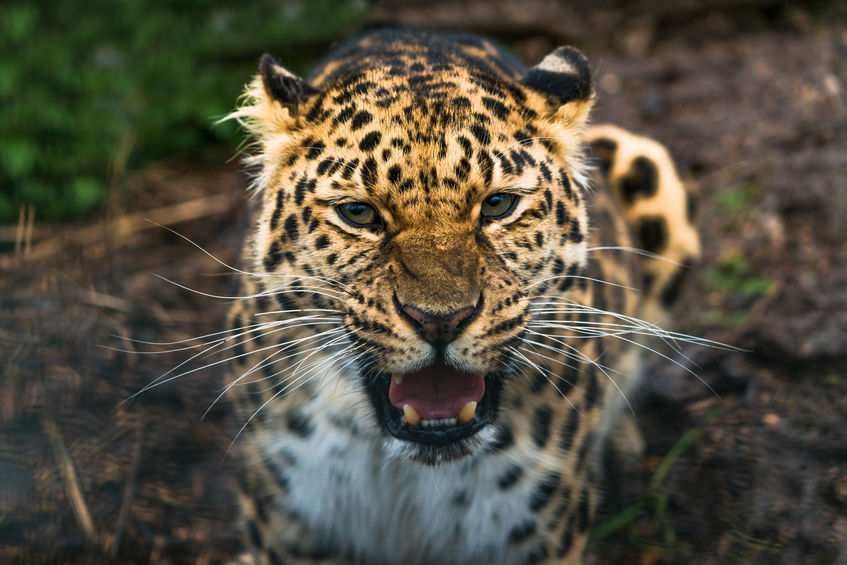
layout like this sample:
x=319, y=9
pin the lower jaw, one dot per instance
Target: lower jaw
x=432, y=455
x=435, y=442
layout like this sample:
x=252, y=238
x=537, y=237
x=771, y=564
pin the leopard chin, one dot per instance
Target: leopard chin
x=434, y=455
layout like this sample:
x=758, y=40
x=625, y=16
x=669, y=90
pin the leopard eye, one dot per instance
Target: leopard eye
x=498, y=205
x=359, y=214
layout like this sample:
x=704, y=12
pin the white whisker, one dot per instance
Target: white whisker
x=580, y=355
x=637, y=251
x=599, y=281
x=159, y=382
x=248, y=273
x=545, y=372
x=267, y=362
x=283, y=391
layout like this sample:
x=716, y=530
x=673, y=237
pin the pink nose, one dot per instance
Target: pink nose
x=438, y=328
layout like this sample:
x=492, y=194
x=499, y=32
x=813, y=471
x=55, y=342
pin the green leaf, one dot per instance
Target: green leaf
x=17, y=156
x=19, y=21
x=87, y=193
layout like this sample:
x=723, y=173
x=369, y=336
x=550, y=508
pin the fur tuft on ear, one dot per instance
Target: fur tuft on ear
x=268, y=110
x=281, y=85
x=563, y=74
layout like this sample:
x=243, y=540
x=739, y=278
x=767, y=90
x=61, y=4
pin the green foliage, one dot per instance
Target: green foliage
x=743, y=546
x=77, y=84
x=734, y=274
x=736, y=199
x=649, y=524
x=734, y=277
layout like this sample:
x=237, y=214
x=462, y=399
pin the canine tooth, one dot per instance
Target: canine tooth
x=467, y=412
x=412, y=416
x=398, y=378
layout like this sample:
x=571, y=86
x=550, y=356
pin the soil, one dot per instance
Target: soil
x=746, y=457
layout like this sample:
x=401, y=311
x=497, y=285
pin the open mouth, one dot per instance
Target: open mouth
x=435, y=405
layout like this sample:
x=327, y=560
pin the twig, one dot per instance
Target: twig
x=129, y=492
x=74, y=493
x=30, y=226
x=105, y=300
x=121, y=227
x=117, y=171
x=9, y=232
x=19, y=232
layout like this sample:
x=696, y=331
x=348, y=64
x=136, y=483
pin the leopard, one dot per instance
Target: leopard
x=446, y=291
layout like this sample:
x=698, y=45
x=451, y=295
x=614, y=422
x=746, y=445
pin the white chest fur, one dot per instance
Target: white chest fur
x=353, y=490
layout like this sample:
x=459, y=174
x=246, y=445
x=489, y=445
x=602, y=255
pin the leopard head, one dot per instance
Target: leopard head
x=427, y=188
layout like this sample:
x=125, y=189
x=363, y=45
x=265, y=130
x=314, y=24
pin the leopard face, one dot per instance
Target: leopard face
x=427, y=195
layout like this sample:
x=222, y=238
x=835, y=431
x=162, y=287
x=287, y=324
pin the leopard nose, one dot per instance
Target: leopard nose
x=438, y=329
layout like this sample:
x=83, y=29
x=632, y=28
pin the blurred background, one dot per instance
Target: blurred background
x=107, y=134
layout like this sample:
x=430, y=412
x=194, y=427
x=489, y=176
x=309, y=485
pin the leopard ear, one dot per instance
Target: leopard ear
x=565, y=78
x=281, y=85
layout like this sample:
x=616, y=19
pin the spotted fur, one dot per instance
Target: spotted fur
x=423, y=128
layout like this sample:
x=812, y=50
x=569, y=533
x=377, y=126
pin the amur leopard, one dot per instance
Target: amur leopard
x=443, y=293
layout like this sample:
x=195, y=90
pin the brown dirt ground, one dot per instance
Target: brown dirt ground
x=750, y=96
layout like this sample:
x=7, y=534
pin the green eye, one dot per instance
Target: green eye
x=498, y=205
x=359, y=214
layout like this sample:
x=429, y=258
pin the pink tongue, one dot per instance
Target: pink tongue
x=437, y=391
